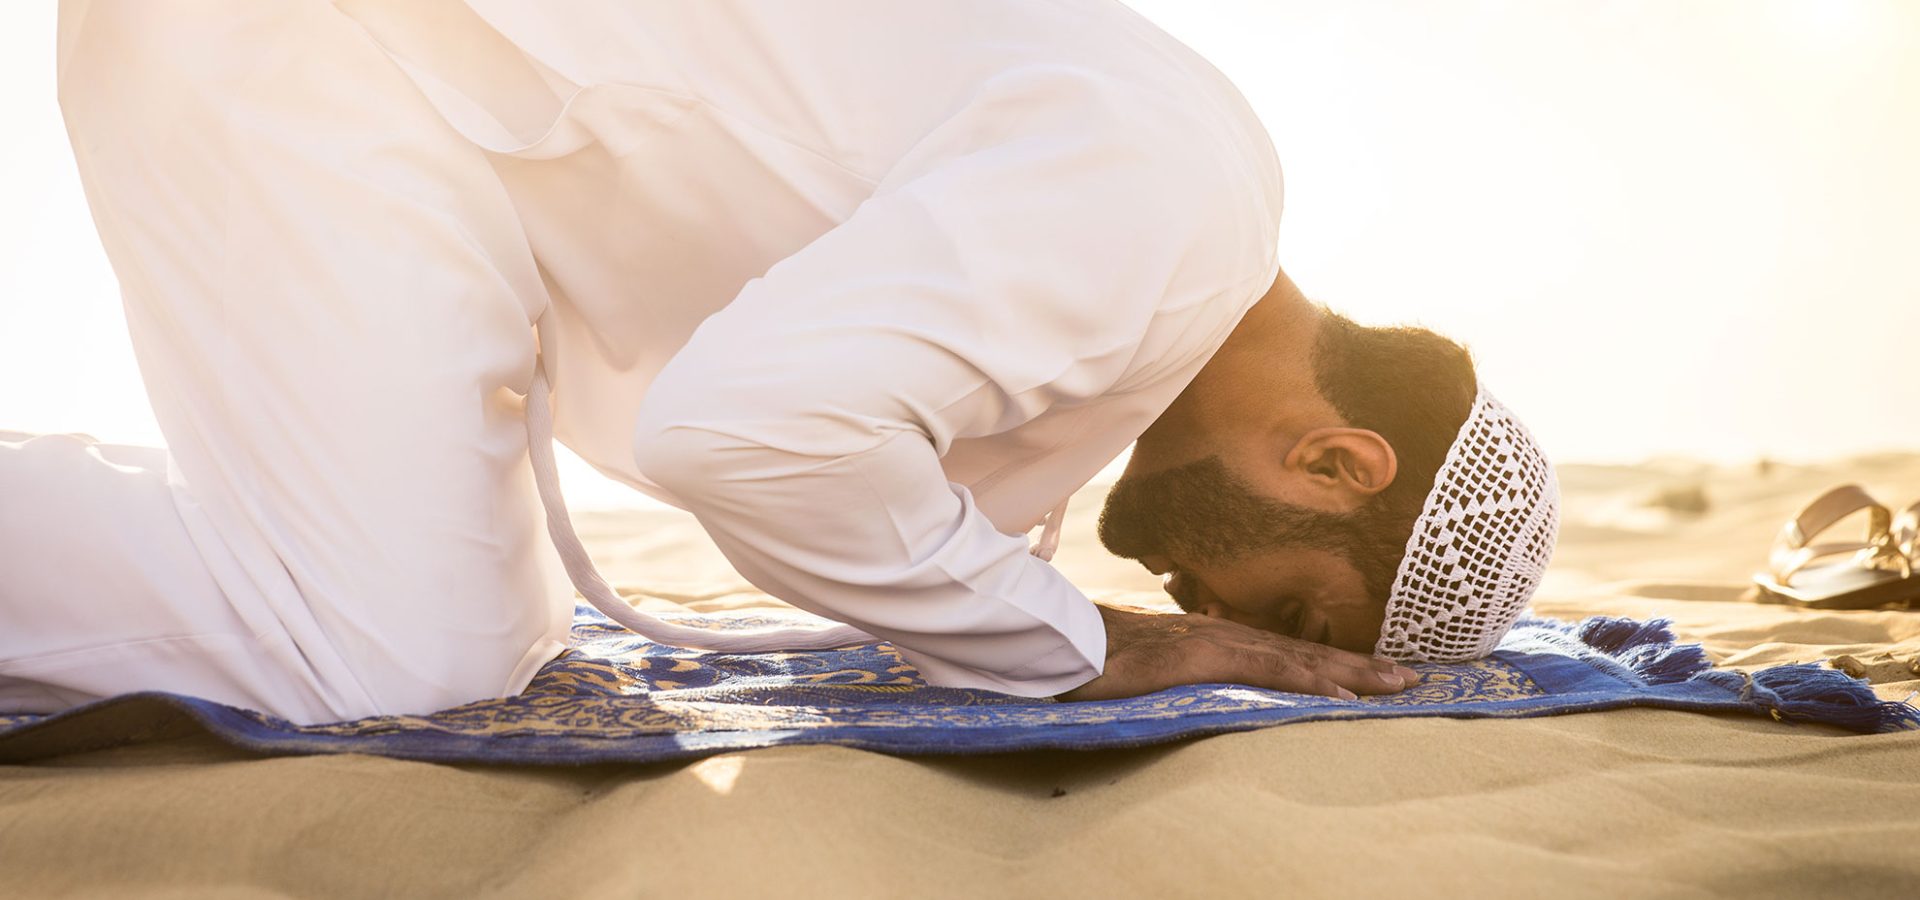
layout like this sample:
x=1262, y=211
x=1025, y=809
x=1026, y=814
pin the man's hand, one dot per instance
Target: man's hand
x=1147, y=652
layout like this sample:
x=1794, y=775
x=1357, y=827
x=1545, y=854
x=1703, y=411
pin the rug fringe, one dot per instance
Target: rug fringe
x=1647, y=649
x=1612, y=634
x=1811, y=692
x=1804, y=692
x=1666, y=663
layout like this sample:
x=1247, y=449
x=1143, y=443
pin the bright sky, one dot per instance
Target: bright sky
x=1664, y=228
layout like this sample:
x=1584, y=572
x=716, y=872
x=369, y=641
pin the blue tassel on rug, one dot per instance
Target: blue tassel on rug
x=1807, y=692
x=1609, y=634
x=1666, y=662
x=1795, y=692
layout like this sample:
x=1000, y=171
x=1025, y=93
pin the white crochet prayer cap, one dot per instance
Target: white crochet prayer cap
x=1479, y=547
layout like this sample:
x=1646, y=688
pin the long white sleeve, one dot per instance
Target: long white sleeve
x=1014, y=263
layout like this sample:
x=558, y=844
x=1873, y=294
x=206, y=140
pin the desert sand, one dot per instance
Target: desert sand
x=1624, y=803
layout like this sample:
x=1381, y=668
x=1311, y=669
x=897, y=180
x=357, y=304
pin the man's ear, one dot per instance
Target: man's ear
x=1348, y=460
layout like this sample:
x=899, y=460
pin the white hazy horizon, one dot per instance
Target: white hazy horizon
x=1663, y=229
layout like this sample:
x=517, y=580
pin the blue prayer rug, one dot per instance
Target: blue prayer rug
x=616, y=697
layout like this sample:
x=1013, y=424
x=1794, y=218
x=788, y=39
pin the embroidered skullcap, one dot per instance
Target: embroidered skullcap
x=1480, y=545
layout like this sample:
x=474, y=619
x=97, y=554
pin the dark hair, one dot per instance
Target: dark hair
x=1412, y=387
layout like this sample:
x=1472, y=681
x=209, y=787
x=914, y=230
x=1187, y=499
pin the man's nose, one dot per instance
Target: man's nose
x=1180, y=586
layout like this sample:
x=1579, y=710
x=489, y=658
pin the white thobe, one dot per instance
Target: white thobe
x=868, y=287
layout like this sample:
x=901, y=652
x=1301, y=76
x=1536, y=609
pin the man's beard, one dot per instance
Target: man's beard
x=1202, y=514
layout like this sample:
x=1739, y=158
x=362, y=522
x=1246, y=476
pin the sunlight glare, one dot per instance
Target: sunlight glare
x=718, y=772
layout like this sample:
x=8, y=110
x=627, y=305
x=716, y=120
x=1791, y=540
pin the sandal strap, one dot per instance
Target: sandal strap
x=1906, y=533
x=1830, y=507
x=1791, y=548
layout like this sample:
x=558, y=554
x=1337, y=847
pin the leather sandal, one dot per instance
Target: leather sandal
x=1868, y=574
